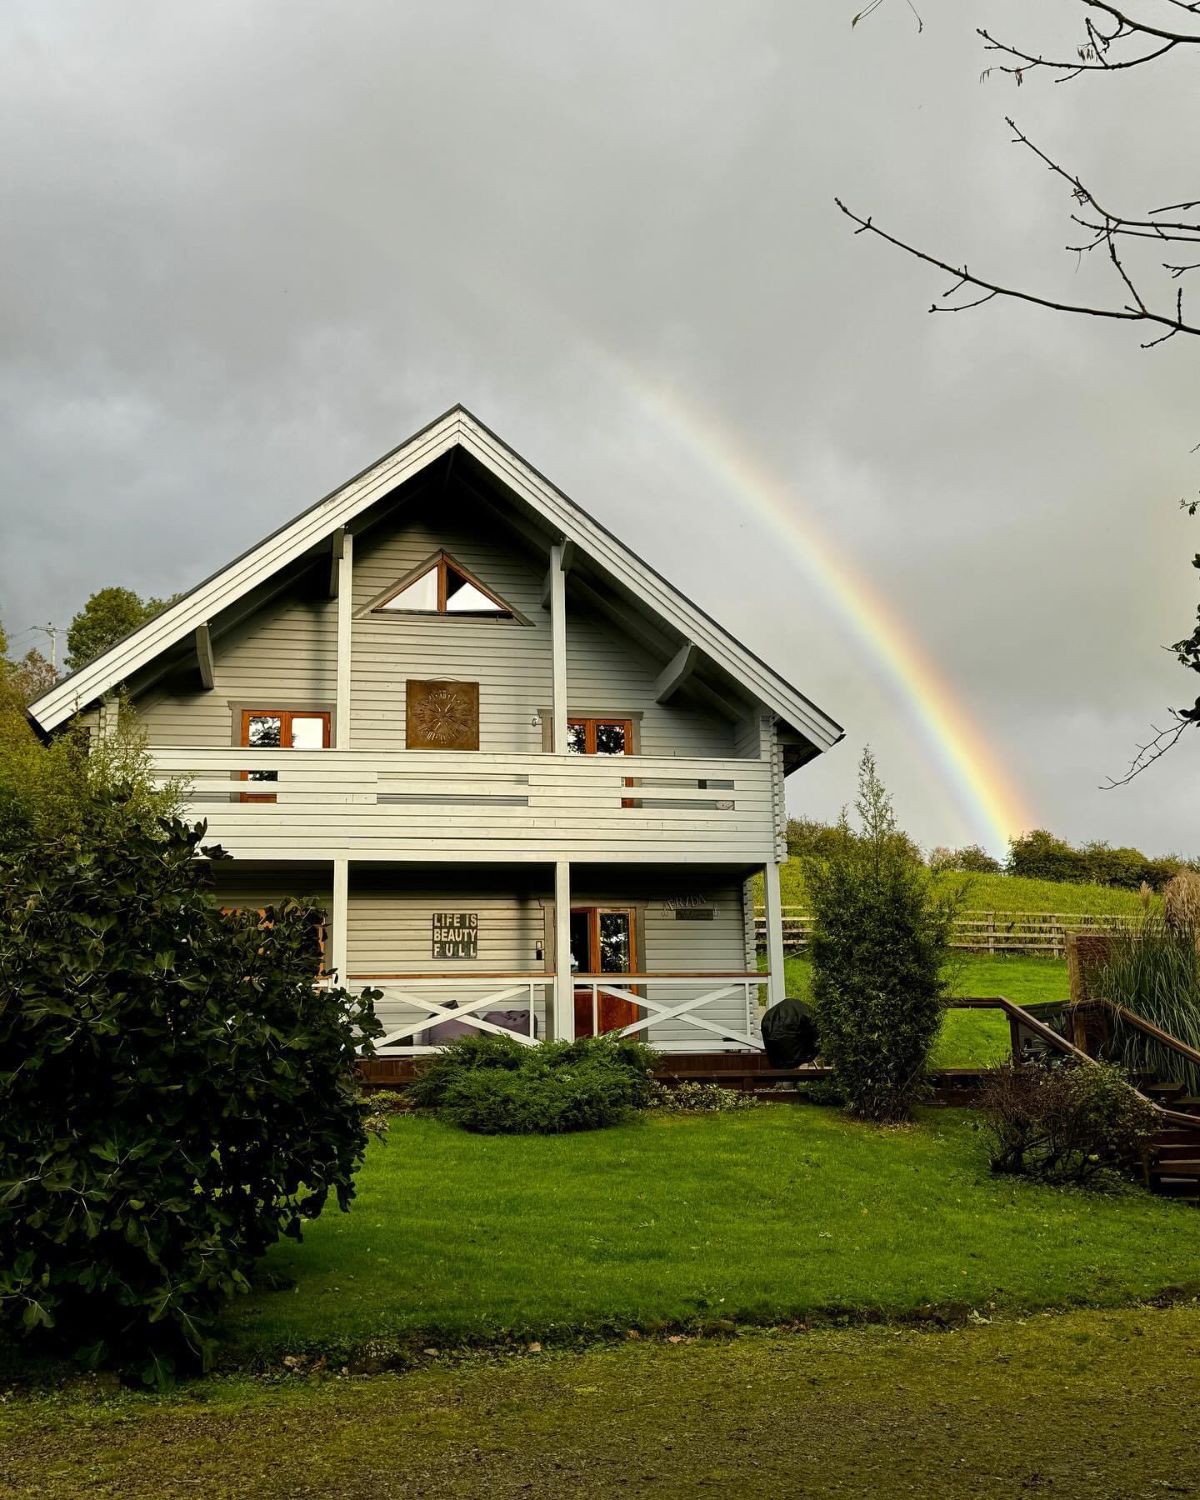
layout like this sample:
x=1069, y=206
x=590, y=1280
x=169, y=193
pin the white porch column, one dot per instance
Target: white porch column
x=345, y=608
x=558, y=648
x=776, y=988
x=341, y=918
x=564, y=989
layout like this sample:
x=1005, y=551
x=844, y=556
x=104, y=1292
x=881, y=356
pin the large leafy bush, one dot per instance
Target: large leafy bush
x=174, y=1093
x=496, y=1086
x=1063, y=1123
x=879, y=945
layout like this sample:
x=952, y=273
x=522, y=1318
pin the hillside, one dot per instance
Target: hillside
x=1008, y=893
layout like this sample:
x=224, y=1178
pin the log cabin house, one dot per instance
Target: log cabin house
x=529, y=780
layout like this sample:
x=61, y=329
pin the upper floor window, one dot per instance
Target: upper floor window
x=599, y=736
x=285, y=728
x=442, y=586
x=281, y=729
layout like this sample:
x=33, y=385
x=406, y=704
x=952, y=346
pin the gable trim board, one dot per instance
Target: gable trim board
x=316, y=526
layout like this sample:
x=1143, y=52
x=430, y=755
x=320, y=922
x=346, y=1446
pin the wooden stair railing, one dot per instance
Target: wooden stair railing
x=1172, y=1160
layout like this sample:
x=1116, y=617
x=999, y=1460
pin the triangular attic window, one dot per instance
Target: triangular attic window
x=444, y=587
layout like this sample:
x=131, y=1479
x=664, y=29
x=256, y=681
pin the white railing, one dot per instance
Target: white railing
x=464, y=805
x=734, y=998
x=461, y=1001
x=721, y=1008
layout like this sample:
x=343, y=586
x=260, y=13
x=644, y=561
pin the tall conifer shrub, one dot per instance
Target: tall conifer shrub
x=879, y=948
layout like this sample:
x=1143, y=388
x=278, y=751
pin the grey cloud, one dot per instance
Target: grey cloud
x=250, y=248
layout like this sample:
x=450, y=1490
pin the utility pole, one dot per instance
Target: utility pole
x=53, y=631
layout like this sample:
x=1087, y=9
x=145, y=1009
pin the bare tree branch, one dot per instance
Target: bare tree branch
x=1137, y=313
x=1154, y=749
x=1113, y=40
x=1093, y=56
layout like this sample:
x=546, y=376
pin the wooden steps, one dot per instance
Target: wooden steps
x=1173, y=1156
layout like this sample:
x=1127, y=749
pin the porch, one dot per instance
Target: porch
x=661, y=953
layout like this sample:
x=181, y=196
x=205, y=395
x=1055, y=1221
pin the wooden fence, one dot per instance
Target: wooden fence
x=1036, y=932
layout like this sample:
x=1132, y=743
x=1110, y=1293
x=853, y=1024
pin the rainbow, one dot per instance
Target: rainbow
x=989, y=797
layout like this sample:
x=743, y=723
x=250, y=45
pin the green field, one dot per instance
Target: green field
x=784, y=1212
x=1008, y=893
x=1075, y=1406
x=973, y=1038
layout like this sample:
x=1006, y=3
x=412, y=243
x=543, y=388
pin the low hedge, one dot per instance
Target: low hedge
x=495, y=1086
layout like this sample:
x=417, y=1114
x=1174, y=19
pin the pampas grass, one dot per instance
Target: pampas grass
x=1153, y=970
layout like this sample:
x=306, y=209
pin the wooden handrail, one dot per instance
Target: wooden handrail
x=1047, y=1034
x=1148, y=1028
x=1019, y=1014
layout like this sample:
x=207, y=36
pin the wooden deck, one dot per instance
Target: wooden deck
x=749, y=1072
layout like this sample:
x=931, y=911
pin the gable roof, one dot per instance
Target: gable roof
x=456, y=428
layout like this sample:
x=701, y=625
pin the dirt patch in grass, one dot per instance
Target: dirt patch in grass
x=1067, y=1405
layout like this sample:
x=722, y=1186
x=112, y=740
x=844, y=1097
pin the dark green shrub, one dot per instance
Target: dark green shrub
x=466, y=1054
x=638, y=1060
x=174, y=1093
x=880, y=940
x=496, y=1086
x=1063, y=1123
x=541, y=1098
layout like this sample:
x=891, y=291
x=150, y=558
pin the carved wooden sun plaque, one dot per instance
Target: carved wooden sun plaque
x=442, y=715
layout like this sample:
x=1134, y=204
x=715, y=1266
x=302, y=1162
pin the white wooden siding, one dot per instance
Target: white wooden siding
x=283, y=655
x=680, y=946
x=606, y=671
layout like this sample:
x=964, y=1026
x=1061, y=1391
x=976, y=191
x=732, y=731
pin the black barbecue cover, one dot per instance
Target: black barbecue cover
x=789, y=1033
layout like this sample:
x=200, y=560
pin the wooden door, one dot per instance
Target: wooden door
x=603, y=941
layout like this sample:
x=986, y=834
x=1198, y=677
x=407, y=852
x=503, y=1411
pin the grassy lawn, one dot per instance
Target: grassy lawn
x=780, y=1213
x=1079, y=1405
x=973, y=1039
x=1003, y=893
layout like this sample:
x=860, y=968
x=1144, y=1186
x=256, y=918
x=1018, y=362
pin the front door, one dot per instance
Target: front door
x=603, y=941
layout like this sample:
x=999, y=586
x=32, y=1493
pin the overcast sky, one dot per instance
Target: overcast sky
x=249, y=248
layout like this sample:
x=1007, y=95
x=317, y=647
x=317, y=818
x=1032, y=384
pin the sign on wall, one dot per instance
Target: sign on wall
x=456, y=934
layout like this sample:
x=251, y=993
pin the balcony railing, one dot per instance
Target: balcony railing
x=456, y=806
x=697, y=1012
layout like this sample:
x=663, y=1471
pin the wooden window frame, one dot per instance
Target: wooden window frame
x=285, y=717
x=594, y=911
x=589, y=723
x=442, y=560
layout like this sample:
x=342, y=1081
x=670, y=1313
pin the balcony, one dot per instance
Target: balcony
x=463, y=807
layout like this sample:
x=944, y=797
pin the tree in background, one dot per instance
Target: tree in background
x=879, y=947
x=1150, y=253
x=1041, y=855
x=807, y=838
x=108, y=616
x=971, y=859
x=33, y=675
